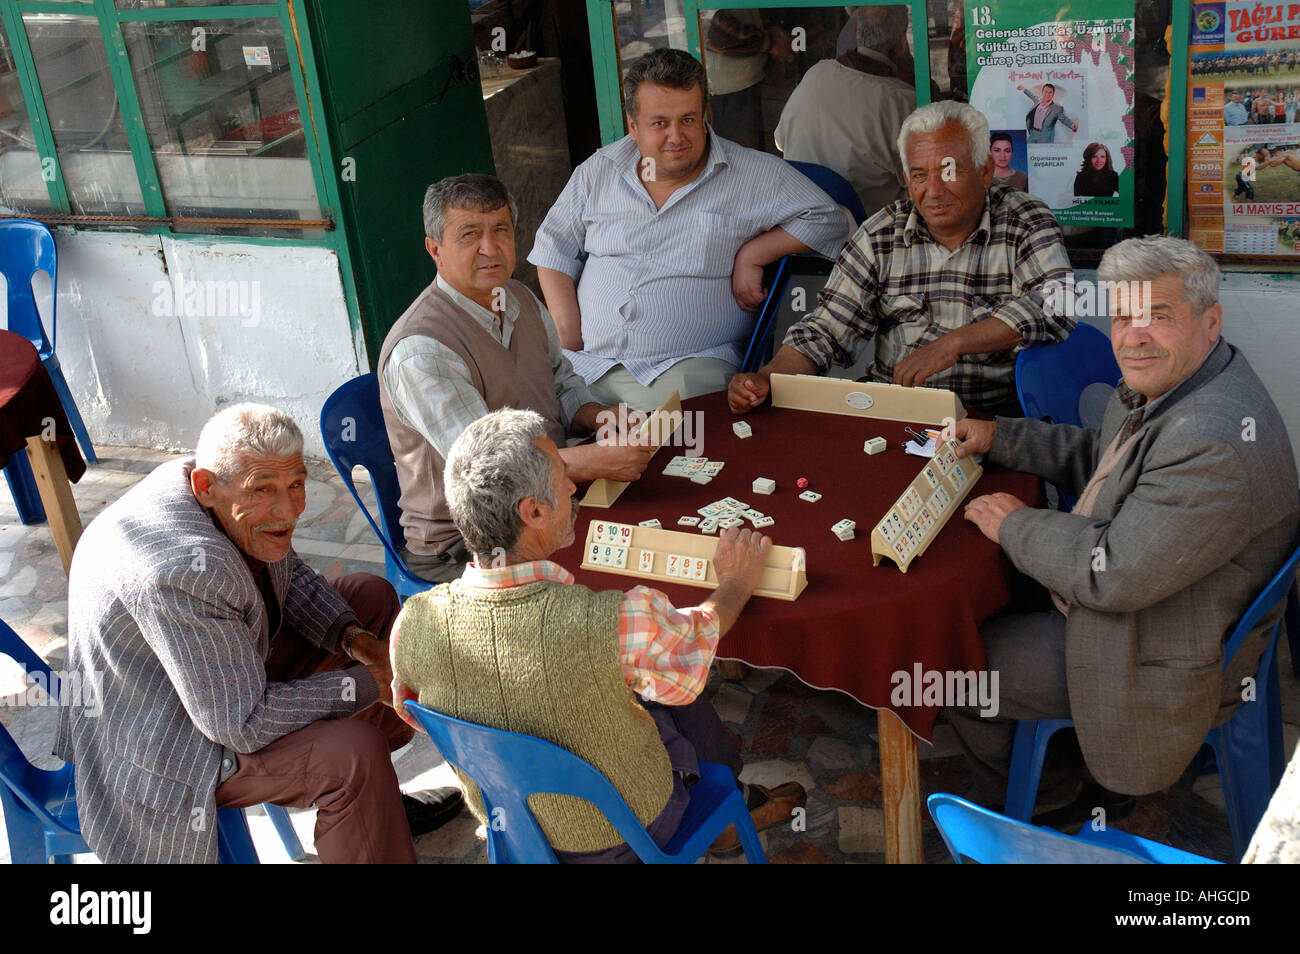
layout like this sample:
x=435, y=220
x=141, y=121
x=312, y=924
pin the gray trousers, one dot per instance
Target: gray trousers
x=1027, y=651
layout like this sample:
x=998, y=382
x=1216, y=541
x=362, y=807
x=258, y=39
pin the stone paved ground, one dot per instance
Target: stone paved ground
x=823, y=739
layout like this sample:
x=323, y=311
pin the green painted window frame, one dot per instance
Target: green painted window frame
x=111, y=21
x=306, y=86
x=609, y=102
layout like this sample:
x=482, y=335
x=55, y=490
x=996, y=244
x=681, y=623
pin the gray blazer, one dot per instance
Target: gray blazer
x=165, y=617
x=1193, y=521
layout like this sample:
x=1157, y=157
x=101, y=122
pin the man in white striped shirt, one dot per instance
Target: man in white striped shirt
x=651, y=260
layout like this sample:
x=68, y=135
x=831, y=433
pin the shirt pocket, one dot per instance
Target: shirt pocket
x=906, y=312
x=710, y=249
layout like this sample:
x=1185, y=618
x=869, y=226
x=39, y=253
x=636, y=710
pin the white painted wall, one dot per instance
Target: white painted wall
x=143, y=375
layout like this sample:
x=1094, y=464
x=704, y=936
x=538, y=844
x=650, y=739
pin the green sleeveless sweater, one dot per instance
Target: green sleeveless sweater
x=541, y=659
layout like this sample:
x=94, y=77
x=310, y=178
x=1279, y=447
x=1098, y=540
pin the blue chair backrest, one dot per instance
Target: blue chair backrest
x=835, y=186
x=27, y=247
x=1274, y=593
x=509, y=767
x=352, y=426
x=1051, y=379
x=973, y=832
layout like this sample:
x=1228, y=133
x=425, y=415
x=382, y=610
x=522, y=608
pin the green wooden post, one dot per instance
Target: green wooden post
x=609, y=82
x=1176, y=178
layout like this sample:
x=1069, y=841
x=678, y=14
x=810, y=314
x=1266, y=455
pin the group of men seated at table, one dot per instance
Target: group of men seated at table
x=232, y=674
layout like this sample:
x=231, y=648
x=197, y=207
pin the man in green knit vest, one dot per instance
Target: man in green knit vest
x=515, y=645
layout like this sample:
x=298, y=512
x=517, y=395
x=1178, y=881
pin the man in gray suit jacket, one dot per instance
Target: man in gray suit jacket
x=227, y=670
x=1187, y=507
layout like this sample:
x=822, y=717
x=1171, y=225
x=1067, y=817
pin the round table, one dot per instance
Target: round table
x=29, y=411
x=855, y=627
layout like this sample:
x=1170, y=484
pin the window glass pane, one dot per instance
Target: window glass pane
x=85, y=115
x=223, y=119
x=22, y=190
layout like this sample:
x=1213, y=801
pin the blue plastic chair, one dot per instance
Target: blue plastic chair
x=27, y=247
x=22, y=487
x=509, y=767
x=970, y=831
x=1248, y=748
x=1051, y=379
x=352, y=425
x=759, y=351
x=40, y=806
x=835, y=186
x=1054, y=382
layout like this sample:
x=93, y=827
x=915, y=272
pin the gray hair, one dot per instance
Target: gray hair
x=473, y=190
x=880, y=27
x=675, y=69
x=243, y=431
x=1146, y=259
x=494, y=464
x=934, y=116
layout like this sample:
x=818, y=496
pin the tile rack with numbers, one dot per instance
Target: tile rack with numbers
x=912, y=521
x=784, y=575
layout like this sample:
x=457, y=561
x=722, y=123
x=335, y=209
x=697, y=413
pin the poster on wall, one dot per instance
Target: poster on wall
x=1057, y=89
x=1243, y=140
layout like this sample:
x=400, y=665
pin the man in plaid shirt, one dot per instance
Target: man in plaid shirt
x=949, y=281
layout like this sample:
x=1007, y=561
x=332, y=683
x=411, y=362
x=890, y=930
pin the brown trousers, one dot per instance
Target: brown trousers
x=342, y=766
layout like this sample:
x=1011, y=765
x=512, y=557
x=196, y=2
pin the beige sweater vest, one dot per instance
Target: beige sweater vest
x=542, y=659
x=519, y=377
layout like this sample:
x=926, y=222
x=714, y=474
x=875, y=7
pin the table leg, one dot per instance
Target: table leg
x=900, y=782
x=56, y=495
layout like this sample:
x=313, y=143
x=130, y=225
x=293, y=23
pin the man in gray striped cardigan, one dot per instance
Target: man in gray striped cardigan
x=226, y=669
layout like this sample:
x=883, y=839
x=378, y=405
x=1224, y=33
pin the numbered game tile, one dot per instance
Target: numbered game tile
x=646, y=561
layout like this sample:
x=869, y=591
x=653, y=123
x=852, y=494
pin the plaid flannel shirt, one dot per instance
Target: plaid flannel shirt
x=665, y=651
x=895, y=282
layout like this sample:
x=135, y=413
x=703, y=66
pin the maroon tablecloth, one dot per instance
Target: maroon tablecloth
x=27, y=398
x=855, y=625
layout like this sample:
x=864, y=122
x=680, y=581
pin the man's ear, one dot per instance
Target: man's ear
x=532, y=514
x=432, y=247
x=1215, y=315
x=986, y=174
x=201, y=484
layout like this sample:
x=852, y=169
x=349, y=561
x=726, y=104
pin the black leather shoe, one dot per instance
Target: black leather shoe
x=1079, y=812
x=430, y=810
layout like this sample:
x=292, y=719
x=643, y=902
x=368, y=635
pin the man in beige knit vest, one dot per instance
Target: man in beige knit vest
x=1187, y=506
x=474, y=341
x=520, y=647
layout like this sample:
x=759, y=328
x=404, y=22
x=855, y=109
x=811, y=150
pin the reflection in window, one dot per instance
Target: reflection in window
x=22, y=189
x=85, y=114
x=223, y=118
